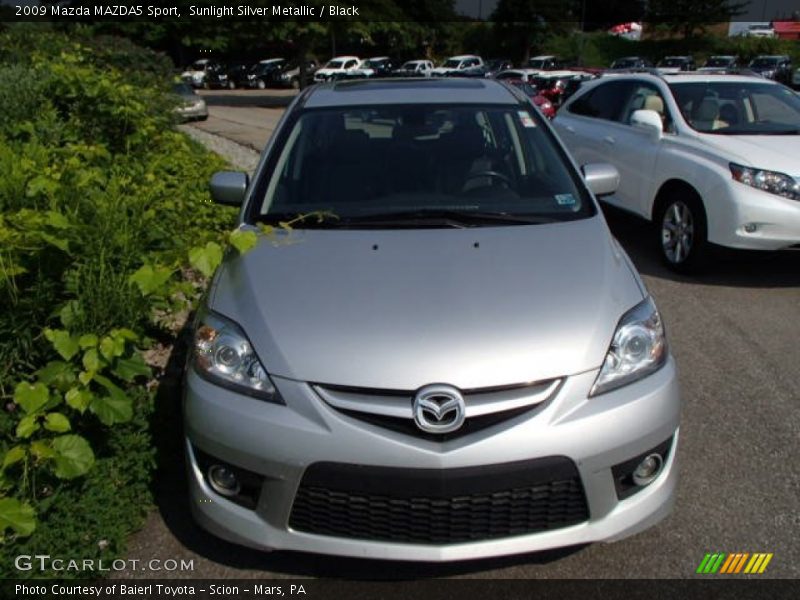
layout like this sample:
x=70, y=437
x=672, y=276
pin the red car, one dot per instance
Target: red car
x=542, y=103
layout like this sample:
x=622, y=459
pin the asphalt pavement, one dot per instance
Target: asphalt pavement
x=734, y=332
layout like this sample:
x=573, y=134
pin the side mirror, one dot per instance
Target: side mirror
x=229, y=187
x=601, y=178
x=648, y=119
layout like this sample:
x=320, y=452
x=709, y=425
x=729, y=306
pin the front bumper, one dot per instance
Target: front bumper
x=195, y=111
x=280, y=442
x=751, y=219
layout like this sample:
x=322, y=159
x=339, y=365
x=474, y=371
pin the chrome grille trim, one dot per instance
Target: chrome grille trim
x=399, y=405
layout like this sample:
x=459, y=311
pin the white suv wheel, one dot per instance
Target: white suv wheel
x=677, y=232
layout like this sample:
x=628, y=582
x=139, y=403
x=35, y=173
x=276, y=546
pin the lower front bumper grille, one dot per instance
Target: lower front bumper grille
x=427, y=506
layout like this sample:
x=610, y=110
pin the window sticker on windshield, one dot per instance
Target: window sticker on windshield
x=525, y=119
x=565, y=199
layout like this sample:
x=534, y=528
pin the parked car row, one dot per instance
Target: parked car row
x=770, y=66
x=271, y=72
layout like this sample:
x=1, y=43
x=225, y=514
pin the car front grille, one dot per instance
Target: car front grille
x=393, y=409
x=428, y=506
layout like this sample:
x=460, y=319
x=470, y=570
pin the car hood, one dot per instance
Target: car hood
x=773, y=152
x=398, y=309
x=328, y=71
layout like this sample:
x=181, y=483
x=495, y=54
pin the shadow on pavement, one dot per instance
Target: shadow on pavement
x=244, y=98
x=732, y=268
x=172, y=499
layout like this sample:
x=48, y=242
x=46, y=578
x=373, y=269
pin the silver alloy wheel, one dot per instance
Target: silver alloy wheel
x=261, y=85
x=677, y=232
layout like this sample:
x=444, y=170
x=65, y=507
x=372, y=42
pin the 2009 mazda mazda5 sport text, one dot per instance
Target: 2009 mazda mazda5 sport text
x=446, y=356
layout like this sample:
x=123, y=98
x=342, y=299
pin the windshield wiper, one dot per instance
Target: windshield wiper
x=311, y=220
x=458, y=219
x=447, y=217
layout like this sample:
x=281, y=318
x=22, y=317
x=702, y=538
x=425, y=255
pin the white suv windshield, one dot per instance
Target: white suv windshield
x=738, y=108
x=356, y=162
x=334, y=64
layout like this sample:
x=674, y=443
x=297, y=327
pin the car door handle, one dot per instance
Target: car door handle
x=609, y=140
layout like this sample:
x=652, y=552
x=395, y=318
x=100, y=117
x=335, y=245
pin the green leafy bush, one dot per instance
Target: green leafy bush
x=103, y=206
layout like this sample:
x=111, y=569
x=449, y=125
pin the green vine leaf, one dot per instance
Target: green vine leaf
x=150, y=280
x=114, y=408
x=42, y=450
x=73, y=456
x=56, y=422
x=129, y=369
x=27, y=426
x=13, y=456
x=91, y=360
x=206, y=258
x=87, y=341
x=65, y=344
x=18, y=516
x=79, y=399
x=32, y=398
x=57, y=374
x=243, y=240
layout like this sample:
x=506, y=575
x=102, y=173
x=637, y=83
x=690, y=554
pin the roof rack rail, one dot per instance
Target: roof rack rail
x=648, y=70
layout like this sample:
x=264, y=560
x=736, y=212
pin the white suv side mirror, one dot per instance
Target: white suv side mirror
x=601, y=178
x=648, y=119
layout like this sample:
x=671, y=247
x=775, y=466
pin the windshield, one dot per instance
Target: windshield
x=624, y=63
x=764, y=62
x=719, y=61
x=334, y=64
x=527, y=88
x=538, y=63
x=410, y=66
x=183, y=89
x=739, y=108
x=672, y=62
x=451, y=63
x=199, y=65
x=476, y=164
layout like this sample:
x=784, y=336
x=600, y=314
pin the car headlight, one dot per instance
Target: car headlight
x=768, y=181
x=638, y=348
x=222, y=354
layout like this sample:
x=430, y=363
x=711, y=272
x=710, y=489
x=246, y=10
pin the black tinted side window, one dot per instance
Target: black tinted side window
x=606, y=101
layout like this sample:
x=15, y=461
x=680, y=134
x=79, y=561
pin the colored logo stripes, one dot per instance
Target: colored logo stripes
x=738, y=562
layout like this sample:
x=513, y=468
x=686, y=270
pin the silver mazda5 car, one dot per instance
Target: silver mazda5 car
x=438, y=351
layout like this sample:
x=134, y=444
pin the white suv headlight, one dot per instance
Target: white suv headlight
x=768, y=181
x=638, y=348
x=222, y=354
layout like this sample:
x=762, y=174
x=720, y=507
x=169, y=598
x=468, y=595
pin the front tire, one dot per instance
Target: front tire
x=682, y=232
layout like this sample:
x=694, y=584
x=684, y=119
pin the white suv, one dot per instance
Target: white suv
x=708, y=158
x=457, y=63
x=336, y=67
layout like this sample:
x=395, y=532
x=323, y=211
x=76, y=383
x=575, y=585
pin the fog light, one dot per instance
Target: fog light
x=223, y=480
x=647, y=470
x=751, y=227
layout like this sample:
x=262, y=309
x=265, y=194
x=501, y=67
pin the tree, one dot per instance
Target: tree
x=689, y=16
x=522, y=23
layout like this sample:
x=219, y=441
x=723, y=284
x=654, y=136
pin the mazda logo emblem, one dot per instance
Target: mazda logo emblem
x=439, y=409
